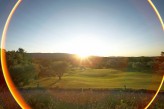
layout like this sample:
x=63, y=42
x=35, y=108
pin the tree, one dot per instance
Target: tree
x=20, y=66
x=22, y=74
x=59, y=68
x=18, y=57
x=160, y=65
x=21, y=50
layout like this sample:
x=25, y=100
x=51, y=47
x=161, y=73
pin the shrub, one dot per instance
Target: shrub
x=22, y=74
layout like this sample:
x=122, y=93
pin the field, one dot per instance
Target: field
x=39, y=98
x=91, y=99
x=86, y=88
x=100, y=79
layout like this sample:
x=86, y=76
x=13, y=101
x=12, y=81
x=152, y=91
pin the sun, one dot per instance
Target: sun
x=84, y=47
x=83, y=55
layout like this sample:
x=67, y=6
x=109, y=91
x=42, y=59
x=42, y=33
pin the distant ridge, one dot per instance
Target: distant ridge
x=51, y=55
x=68, y=55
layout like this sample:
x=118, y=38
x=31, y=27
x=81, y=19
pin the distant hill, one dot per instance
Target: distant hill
x=67, y=55
x=50, y=55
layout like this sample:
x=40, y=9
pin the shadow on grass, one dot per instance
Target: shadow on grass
x=54, y=83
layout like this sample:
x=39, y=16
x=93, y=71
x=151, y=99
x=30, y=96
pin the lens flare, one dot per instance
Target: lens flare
x=15, y=93
x=161, y=21
x=157, y=13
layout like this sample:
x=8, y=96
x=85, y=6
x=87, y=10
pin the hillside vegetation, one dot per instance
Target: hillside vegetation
x=62, y=70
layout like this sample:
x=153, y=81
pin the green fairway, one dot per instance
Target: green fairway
x=100, y=78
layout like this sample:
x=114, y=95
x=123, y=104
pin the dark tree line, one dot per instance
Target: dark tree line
x=133, y=64
x=24, y=69
x=159, y=65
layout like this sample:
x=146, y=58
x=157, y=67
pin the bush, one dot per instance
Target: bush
x=22, y=74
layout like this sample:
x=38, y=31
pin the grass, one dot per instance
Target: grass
x=83, y=99
x=6, y=100
x=101, y=78
x=91, y=89
x=88, y=99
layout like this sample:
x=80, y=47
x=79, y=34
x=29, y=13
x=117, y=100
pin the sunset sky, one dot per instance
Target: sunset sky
x=88, y=27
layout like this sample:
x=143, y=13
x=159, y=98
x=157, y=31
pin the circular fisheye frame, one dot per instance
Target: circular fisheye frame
x=83, y=58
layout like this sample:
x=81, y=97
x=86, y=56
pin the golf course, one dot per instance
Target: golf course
x=99, y=79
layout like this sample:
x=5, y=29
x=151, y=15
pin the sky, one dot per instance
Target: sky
x=84, y=27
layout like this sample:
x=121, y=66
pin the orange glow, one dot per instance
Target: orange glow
x=161, y=21
x=10, y=84
x=15, y=93
x=83, y=56
x=155, y=93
